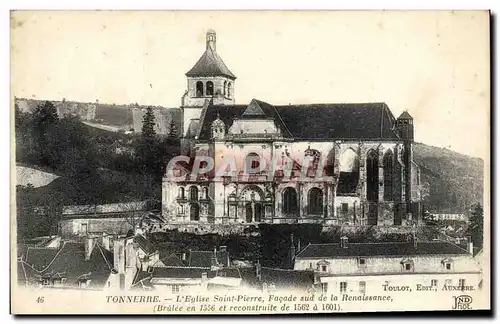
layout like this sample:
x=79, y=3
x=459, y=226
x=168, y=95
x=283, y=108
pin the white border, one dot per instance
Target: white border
x=191, y=5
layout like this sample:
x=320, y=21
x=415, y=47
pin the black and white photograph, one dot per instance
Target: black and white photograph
x=249, y=162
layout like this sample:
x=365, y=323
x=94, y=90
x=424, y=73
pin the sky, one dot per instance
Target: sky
x=435, y=65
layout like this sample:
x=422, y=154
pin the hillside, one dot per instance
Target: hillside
x=454, y=181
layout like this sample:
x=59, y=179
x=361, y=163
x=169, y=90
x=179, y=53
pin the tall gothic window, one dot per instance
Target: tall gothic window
x=229, y=89
x=290, y=205
x=349, y=172
x=210, y=88
x=199, y=89
x=388, y=176
x=315, y=199
x=225, y=88
x=372, y=176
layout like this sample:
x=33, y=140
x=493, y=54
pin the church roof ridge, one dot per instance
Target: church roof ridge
x=336, y=121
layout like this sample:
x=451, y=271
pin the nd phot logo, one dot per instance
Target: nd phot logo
x=462, y=302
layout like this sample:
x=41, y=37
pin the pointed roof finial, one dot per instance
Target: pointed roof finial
x=211, y=39
x=405, y=115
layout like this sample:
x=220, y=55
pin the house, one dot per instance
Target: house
x=332, y=164
x=366, y=267
x=216, y=259
x=273, y=279
x=115, y=219
x=75, y=265
x=174, y=280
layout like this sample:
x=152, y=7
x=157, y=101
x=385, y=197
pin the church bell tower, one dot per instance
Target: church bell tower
x=209, y=81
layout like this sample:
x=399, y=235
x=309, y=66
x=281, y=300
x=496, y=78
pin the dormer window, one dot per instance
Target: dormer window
x=361, y=262
x=322, y=266
x=447, y=264
x=218, y=128
x=407, y=265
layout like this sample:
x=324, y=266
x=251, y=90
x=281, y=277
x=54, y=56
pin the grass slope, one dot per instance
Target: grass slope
x=455, y=181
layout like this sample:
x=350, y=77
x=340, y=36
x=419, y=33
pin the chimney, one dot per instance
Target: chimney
x=258, y=271
x=292, y=251
x=343, y=242
x=119, y=255
x=214, y=258
x=470, y=246
x=414, y=232
x=89, y=246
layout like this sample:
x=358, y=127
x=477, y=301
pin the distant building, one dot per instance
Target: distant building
x=112, y=219
x=450, y=217
x=364, y=267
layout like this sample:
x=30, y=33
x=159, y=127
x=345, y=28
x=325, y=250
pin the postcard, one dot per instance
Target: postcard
x=250, y=162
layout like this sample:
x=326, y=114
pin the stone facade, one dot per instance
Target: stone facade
x=344, y=169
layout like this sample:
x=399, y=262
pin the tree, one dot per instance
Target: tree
x=147, y=153
x=172, y=129
x=476, y=223
x=43, y=117
x=148, y=125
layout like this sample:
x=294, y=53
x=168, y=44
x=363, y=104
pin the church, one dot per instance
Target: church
x=334, y=163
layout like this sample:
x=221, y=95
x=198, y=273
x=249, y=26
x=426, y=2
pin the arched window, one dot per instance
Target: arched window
x=181, y=193
x=315, y=199
x=248, y=212
x=290, y=205
x=210, y=88
x=252, y=163
x=199, y=89
x=388, y=176
x=259, y=210
x=193, y=193
x=205, y=193
x=225, y=88
x=229, y=89
x=372, y=176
